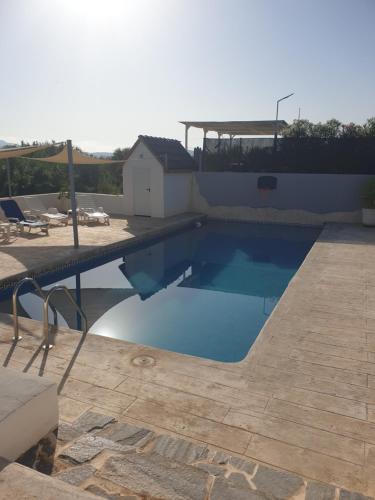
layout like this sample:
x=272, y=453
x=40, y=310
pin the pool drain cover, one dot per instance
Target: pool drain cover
x=143, y=361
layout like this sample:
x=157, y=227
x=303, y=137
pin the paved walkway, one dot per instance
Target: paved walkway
x=36, y=252
x=302, y=401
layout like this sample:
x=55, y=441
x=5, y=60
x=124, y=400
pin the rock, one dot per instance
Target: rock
x=277, y=484
x=156, y=476
x=66, y=432
x=349, y=495
x=319, y=491
x=76, y=475
x=227, y=489
x=87, y=447
x=179, y=449
x=91, y=420
x=127, y=434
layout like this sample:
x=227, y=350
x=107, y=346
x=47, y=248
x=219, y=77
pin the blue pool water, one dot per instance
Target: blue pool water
x=203, y=291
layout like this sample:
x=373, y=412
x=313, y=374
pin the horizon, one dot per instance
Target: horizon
x=102, y=74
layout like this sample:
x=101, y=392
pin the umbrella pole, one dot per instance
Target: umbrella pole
x=72, y=192
x=9, y=181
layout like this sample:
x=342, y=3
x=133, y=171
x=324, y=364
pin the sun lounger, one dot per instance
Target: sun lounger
x=89, y=211
x=14, y=214
x=91, y=215
x=37, y=208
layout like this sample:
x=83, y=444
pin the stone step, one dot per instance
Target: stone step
x=118, y=460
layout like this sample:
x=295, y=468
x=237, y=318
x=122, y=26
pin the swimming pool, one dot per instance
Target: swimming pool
x=203, y=291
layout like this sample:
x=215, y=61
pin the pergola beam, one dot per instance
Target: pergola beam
x=260, y=127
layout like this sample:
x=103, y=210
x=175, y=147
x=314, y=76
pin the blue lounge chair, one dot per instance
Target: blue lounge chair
x=14, y=214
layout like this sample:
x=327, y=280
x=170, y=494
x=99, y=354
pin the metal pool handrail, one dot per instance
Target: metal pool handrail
x=57, y=288
x=16, y=289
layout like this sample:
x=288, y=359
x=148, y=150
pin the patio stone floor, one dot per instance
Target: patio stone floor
x=302, y=401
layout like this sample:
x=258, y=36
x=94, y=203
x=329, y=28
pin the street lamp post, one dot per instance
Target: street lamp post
x=277, y=119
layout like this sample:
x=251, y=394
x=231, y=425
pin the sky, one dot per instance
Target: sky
x=101, y=72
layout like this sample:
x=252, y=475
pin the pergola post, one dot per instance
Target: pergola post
x=187, y=136
x=73, y=202
x=203, y=159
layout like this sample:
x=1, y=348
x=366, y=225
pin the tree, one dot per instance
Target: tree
x=369, y=127
x=121, y=154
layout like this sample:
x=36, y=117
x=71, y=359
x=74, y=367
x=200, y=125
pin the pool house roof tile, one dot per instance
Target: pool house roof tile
x=169, y=152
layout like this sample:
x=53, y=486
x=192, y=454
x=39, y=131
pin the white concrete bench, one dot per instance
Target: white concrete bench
x=21, y=483
x=28, y=419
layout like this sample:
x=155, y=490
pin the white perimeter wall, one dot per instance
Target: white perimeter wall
x=112, y=204
x=141, y=156
x=177, y=193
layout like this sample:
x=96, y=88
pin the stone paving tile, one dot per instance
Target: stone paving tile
x=70, y=409
x=157, y=476
x=306, y=463
x=321, y=419
x=299, y=435
x=67, y=432
x=92, y=420
x=212, y=432
x=179, y=449
x=181, y=400
x=229, y=489
x=347, y=495
x=127, y=434
x=238, y=463
x=98, y=396
x=319, y=491
x=242, y=465
x=212, y=469
x=88, y=447
x=76, y=475
x=277, y=484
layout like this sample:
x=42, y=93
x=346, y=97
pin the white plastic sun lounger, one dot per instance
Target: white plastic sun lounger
x=36, y=207
x=88, y=211
x=92, y=215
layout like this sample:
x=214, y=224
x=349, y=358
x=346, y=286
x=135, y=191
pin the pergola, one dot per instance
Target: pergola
x=233, y=128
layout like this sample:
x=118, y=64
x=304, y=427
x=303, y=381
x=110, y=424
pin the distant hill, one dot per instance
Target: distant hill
x=102, y=154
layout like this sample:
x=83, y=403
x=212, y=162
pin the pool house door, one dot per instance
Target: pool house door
x=142, y=191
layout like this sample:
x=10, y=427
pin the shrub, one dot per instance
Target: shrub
x=368, y=194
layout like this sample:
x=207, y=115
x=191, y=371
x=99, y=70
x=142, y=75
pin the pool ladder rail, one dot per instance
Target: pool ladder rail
x=46, y=303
